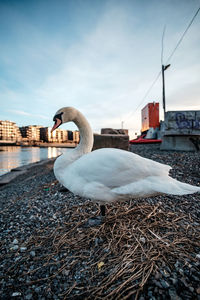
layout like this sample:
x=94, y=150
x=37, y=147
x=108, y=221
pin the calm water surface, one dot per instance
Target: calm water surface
x=15, y=156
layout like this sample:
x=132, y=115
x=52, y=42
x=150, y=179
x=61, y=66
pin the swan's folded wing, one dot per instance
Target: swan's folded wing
x=115, y=168
x=153, y=185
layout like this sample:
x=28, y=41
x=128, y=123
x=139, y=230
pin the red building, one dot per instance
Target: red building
x=150, y=116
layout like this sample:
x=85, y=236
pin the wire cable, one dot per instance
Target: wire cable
x=184, y=33
x=157, y=77
x=148, y=91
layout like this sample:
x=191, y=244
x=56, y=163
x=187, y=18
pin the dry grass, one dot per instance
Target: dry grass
x=113, y=260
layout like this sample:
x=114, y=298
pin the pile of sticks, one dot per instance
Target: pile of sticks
x=115, y=259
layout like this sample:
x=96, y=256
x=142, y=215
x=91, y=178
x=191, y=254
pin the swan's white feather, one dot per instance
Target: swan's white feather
x=111, y=174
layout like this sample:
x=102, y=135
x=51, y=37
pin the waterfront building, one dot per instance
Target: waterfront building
x=47, y=136
x=76, y=136
x=30, y=133
x=9, y=132
x=58, y=135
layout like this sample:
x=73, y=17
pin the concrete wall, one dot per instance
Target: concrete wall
x=182, y=122
x=114, y=131
x=111, y=141
x=181, y=143
x=181, y=131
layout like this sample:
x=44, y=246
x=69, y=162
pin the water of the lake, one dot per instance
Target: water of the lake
x=15, y=156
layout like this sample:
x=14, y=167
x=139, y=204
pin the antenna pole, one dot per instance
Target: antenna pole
x=163, y=88
x=163, y=82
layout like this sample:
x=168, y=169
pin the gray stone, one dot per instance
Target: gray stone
x=173, y=295
x=198, y=256
x=32, y=253
x=142, y=240
x=23, y=249
x=16, y=294
x=15, y=247
x=15, y=242
x=37, y=290
x=164, y=284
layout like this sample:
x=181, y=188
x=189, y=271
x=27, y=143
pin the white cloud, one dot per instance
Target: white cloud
x=19, y=112
x=103, y=75
x=24, y=113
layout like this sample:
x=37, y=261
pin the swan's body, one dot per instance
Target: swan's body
x=108, y=174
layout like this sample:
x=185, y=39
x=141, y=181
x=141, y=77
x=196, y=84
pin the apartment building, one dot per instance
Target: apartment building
x=31, y=133
x=76, y=136
x=58, y=135
x=9, y=131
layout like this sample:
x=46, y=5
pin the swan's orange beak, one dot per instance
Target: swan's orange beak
x=56, y=125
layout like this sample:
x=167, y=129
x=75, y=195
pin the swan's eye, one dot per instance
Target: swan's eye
x=58, y=116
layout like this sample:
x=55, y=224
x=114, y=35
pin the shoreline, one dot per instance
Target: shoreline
x=41, y=145
x=16, y=172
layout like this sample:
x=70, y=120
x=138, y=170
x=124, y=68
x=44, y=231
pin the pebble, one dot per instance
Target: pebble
x=164, y=284
x=198, y=256
x=37, y=290
x=173, y=295
x=158, y=275
x=32, y=253
x=15, y=247
x=191, y=289
x=23, y=249
x=65, y=272
x=94, y=221
x=16, y=294
x=15, y=242
x=143, y=240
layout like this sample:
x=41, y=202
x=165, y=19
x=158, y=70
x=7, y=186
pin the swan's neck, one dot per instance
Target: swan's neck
x=86, y=134
x=85, y=146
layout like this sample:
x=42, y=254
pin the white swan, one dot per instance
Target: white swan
x=108, y=174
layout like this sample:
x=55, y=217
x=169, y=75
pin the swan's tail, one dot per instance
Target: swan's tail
x=154, y=185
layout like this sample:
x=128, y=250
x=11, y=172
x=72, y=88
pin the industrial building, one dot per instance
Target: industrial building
x=180, y=130
x=150, y=116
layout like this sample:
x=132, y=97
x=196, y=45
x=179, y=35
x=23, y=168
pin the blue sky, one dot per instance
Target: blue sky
x=100, y=56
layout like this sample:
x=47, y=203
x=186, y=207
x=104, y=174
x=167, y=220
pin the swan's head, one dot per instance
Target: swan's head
x=64, y=115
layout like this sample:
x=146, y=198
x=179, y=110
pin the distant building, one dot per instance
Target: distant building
x=76, y=136
x=9, y=131
x=150, y=116
x=31, y=133
x=58, y=135
x=45, y=134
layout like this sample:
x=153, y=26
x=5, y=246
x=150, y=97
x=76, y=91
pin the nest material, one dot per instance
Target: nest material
x=113, y=260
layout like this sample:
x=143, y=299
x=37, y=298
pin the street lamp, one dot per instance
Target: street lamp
x=163, y=81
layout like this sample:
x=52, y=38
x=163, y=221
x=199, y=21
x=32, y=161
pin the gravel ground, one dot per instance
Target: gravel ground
x=34, y=207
